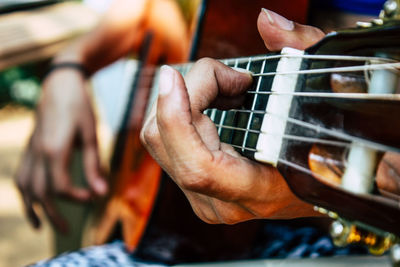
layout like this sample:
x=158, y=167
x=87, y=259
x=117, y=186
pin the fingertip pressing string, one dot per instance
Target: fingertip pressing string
x=68, y=65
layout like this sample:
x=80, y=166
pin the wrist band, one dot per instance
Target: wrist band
x=68, y=65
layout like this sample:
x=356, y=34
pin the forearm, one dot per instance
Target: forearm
x=115, y=36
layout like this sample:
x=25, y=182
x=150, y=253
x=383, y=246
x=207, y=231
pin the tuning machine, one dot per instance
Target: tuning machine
x=345, y=232
x=390, y=11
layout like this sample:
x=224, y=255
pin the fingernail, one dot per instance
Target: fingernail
x=165, y=82
x=279, y=21
x=242, y=71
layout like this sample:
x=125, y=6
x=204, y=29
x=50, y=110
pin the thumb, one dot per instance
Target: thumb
x=278, y=32
x=174, y=120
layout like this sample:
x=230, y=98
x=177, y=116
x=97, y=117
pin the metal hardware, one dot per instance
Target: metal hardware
x=395, y=255
x=391, y=10
x=378, y=242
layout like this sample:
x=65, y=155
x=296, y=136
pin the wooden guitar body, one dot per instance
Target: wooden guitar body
x=173, y=233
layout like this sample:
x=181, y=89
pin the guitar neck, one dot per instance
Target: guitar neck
x=245, y=129
x=309, y=114
x=258, y=124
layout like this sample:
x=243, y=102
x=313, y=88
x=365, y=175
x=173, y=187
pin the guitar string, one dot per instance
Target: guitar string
x=313, y=57
x=384, y=66
x=301, y=168
x=394, y=64
x=320, y=129
x=332, y=95
x=333, y=133
x=301, y=138
x=288, y=163
x=288, y=136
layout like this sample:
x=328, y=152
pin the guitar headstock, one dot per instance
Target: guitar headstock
x=342, y=147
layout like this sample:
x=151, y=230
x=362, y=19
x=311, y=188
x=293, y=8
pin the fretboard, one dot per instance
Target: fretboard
x=245, y=128
x=254, y=130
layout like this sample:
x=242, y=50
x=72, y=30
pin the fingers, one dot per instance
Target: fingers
x=194, y=166
x=226, y=84
x=91, y=158
x=33, y=218
x=175, y=121
x=56, y=165
x=210, y=80
x=278, y=32
x=22, y=181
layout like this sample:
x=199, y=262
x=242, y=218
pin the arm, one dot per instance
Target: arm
x=64, y=113
x=221, y=185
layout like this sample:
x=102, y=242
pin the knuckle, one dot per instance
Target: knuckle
x=206, y=66
x=205, y=214
x=196, y=175
x=149, y=135
x=196, y=183
x=205, y=62
x=167, y=117
x=49, y=150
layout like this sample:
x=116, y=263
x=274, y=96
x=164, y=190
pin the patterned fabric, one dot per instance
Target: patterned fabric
x=109, y=255
x=280, y=240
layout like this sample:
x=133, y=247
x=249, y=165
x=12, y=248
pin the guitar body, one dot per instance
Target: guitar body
x=156, y=218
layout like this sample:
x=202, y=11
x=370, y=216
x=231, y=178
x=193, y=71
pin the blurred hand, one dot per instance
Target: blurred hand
x=64, y=116
x=221, y=185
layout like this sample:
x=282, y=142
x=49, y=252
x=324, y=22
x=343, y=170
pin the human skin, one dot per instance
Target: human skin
x=221, y=185
x=64, y=114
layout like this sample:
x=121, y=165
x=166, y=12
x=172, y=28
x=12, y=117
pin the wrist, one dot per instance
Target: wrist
x=71, y=65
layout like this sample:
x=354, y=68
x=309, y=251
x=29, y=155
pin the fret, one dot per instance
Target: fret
x=256, y=120
x=253, y=104
x=213, y=113
x=226, y=133
x=241, y=119
x=253, y=122
x=222, y=121
x=223, y=116
x=217, y=117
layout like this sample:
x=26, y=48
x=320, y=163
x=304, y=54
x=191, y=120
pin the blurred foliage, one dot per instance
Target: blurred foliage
x=21, y=85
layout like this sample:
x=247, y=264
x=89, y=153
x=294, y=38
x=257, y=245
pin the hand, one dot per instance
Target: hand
x=64, y=116
x=64, y=113
x=221, y=185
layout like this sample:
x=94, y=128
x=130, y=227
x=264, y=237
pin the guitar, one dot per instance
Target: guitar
x=325, y=118
x=151, y=209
